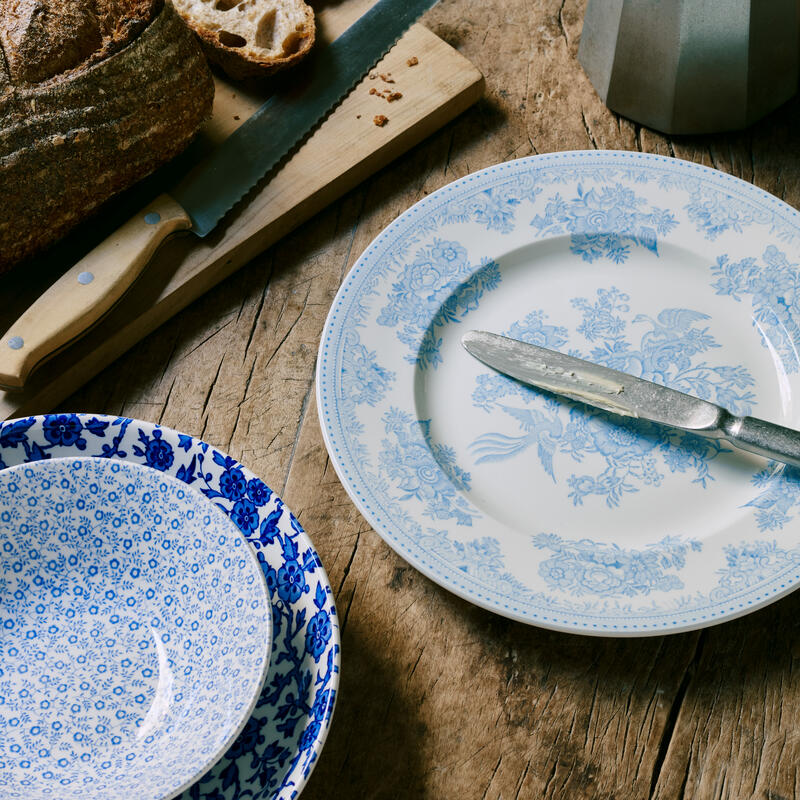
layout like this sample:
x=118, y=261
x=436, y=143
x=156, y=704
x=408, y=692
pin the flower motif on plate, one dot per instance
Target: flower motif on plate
x=634, y=451
x=363, y=379
x=774, y=290
x=751, y=563
x=713, y=214
x=494, y=208
x=586, y=567
x=778, y=494
x=157, y=453
x=423, y=470
x=59, y=432
x=481, y=558
x=438, y=287
x=605, y=222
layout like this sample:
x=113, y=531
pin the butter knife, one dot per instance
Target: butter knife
x=628, y=396
x=84, y=294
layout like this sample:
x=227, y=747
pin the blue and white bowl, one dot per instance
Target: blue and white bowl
x=135, y=632
x=276, y=751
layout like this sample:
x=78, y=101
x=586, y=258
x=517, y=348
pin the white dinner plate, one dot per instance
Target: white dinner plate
x=542, y=509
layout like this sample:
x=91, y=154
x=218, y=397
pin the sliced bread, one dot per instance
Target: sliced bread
x=94, y=95
x=250, y=38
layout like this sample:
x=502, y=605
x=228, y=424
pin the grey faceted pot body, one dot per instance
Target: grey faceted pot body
x=692, y=66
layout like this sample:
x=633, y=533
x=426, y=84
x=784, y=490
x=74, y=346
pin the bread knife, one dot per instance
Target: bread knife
x=85, y=293
x=628, y=396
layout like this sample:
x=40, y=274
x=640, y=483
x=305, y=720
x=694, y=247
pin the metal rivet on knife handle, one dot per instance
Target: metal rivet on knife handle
x=87, y=291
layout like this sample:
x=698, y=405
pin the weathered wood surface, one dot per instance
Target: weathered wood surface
x=440, y=699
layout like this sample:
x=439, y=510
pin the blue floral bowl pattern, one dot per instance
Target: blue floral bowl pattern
x=281, y=741
x=539, y=508
x=135, y=631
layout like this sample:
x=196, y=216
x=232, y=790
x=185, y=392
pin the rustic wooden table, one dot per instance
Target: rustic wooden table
x=440, y=699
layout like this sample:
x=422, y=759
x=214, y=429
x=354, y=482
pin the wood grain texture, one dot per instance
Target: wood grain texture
x=440, y=699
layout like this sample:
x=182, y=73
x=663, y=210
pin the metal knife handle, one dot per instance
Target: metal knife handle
x=79, y=299
x=764, y=438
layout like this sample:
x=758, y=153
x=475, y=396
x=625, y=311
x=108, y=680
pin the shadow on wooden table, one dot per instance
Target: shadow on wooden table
x=658, y=709
x=375, y=724
x=590, y=712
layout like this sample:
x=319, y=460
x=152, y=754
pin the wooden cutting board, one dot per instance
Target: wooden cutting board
x=344, y=150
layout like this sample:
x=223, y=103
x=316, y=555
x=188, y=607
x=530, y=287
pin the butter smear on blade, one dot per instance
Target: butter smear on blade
x=591, y=389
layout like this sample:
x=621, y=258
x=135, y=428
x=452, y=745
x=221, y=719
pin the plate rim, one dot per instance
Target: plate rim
x=326, y=380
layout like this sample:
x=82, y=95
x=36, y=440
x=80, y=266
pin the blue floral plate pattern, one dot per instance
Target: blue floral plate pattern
x=134, y=632
x=281, y=741
x=542, y=509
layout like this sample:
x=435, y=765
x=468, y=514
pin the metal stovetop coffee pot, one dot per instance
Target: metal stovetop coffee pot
x=692, y=66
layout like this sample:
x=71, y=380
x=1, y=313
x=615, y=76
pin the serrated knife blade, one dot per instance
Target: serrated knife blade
x=629, y=396
x=209, y=191
x=85, y=293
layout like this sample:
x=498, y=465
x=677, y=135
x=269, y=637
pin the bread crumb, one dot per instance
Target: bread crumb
x=372, y=76
x=59, y=139
x=386, y=94
x=387, y=78
x=413, y=61
x=380, y=120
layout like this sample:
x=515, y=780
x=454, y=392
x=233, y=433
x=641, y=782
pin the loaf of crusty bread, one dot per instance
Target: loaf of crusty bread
x=250, y=38
x=94, y=95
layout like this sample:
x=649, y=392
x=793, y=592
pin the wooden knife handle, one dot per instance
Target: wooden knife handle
x=81, y=297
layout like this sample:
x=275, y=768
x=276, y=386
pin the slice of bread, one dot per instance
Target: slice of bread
x=250, y=38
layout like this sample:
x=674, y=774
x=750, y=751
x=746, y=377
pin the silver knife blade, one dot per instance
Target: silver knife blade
x=629, y=396
x=210, y=190
x=590, y=383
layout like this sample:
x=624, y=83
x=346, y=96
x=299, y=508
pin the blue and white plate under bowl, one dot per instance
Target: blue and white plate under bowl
x=542, y=509
x=117, y=657
x=136, y=627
